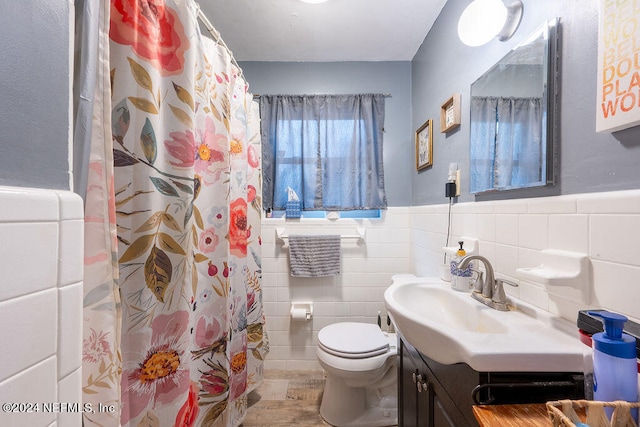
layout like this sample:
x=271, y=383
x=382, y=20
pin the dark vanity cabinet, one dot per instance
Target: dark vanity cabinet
x=422, y=399
x=431, y=394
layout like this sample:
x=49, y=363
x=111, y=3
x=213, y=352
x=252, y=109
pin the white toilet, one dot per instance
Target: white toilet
x=361, y=386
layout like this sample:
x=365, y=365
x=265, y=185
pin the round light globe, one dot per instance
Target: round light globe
x=481, y=21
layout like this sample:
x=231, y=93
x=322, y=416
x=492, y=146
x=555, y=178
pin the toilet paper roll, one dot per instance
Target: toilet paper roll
x=298, y=314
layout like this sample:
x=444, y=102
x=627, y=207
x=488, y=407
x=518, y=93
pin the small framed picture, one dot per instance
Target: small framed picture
x=450, y=113
x=424, y=145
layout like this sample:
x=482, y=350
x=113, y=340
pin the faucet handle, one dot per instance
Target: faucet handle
x=478, y=282
x=498, y=291
x=507, y=282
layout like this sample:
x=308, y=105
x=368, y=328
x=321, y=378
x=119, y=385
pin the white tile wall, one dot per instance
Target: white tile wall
x=605, y=226
x=40, y=303
x=354, y=295
x=512, y=234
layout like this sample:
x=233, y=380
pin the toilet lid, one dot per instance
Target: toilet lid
x=353, y=340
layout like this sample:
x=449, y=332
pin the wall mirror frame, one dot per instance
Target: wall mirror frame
x=515, y=115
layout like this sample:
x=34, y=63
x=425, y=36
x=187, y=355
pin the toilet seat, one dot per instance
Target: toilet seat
x=353, y=340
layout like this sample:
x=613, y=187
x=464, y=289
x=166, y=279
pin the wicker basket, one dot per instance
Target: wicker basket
x=563, y=413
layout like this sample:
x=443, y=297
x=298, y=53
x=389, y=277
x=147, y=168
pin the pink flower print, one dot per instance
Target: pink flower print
x=252, y=156
x=217, y=141
x=215, y=381
x=188, y=413
x=154, y=32
x=210, y=157
x=207, y=331
x=214, y=143
x=182, y=147
x=208, y=240
x=95, y=347
x=153, y=371
x=238, y=365
x=239, y=228
x=235, y=146
x=251, y=193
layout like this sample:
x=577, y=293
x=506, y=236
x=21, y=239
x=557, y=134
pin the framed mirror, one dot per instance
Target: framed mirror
x=514, y=110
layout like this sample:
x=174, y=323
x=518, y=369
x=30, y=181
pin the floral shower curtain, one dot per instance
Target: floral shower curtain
x=184, y=135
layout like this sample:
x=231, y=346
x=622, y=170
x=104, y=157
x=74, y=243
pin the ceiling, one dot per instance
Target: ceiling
x=338, y=30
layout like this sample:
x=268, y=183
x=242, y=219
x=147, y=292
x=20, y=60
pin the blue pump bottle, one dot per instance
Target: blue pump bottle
x=615, y=372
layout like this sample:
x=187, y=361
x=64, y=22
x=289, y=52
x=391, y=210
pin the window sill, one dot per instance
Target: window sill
x=329, y=215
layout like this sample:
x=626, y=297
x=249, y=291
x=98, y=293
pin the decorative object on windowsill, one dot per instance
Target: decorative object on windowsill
x=450, y=113
x=424, y=145
x=293, y=209
x=483, y=20
x=294, y=206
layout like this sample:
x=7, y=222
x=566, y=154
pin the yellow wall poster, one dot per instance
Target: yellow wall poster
x=618, y=90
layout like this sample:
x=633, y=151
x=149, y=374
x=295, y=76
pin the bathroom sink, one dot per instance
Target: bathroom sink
x=442, y=306
x=451, y=327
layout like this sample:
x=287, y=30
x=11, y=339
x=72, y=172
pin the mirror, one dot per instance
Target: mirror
x=513, y=117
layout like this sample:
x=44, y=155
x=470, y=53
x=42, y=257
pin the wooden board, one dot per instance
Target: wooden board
x=528, y=415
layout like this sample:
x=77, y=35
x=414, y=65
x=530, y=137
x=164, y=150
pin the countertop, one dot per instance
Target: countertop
x=522, y=415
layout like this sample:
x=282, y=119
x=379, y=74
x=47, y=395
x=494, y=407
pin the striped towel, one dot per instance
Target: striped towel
x=314, y=256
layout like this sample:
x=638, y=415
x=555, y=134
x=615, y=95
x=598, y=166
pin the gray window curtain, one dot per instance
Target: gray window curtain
x=506, y=143
x=327, y=148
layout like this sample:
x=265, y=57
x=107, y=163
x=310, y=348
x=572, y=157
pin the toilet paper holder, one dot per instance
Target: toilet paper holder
x=302, y=310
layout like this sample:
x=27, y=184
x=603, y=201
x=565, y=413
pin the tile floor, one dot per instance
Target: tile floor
x=286, y=398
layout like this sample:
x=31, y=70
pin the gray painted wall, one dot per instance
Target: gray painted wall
x=588, y=162
x=34, y=94
x=296, y=78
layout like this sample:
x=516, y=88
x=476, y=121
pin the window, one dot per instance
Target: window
x=327, y=148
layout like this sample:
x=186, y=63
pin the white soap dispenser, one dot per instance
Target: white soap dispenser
x=461, y=280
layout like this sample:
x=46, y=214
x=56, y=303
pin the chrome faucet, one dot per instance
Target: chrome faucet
x=489, y=291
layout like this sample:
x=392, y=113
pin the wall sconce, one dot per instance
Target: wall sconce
x=483, y=20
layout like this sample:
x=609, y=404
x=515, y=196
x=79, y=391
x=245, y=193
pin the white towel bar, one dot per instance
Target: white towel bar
x=351, y=238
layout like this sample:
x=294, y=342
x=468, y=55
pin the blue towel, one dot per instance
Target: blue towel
x=314, y=256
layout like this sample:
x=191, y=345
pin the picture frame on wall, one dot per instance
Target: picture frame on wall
x=424, y=145
x=450, y=113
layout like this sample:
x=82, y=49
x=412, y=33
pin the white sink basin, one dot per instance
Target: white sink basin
x=451, y=327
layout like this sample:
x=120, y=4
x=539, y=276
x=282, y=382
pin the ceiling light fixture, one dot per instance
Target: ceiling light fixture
x=483, y=20
x=314, y=1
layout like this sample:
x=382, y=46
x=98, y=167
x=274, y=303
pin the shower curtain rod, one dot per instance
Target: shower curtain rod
x=216, y=35
x=386, y=95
